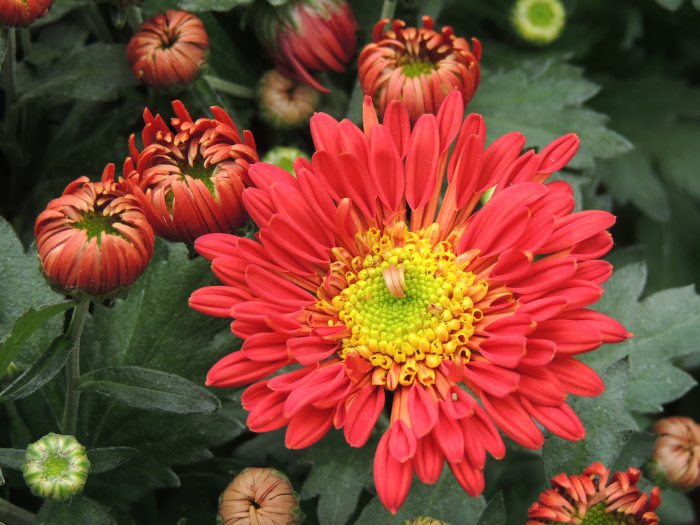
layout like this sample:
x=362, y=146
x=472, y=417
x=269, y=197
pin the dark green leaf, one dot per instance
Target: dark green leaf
x=671, y=5
x=80, y=509
x=109, y=458
x=94, y=72
x=495, y=512
x=24, y=327
x=676, y=509
x=636, y=452
x=42, y=370
x=150, y=390
x=445, y=501
x=338, y=476
x=607, y=428
x=211, y=5
x=666, y=327
x=543, y=100
x=2, y=480
x=664, y=152
x=22, y=285
x=12, y=458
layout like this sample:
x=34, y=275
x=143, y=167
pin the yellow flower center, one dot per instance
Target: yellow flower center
x=409, y=304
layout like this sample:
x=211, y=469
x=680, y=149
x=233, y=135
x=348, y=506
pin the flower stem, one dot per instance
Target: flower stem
x=70, y=408
x=388, y=9
x=224, y=86
x=8, y=70
x=96, y=22
x=26, y=38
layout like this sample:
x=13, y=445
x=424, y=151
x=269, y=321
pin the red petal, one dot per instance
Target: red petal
x=470, y=478
x=429, y=460
x=422, y=409
x=363, y=414
x=577, y=377
x=421, y=161
x=391, y=478
x=561, y=420
x=307, y=427
x=512, y=418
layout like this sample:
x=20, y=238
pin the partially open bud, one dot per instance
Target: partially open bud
x=168, y=49
x=15, y=13
x=307, y=36
x=94, y=239
x=284, y=157
x=422, y=520
x=538, y=22
x=677, y=452
x=56, y=467
x=285, y=103
x=259, y=495
x=419, y=66
x=189, y=177
x=596, y=497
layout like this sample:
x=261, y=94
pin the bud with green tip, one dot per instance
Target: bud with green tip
x=284, y=157
x=538, y=22
x=423, y=520
x=56, y=467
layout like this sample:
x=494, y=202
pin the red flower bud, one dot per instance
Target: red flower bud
x=168, y=49
x=309, y=36
x=189, y=177
x=94, y=239
x=22, y=12
x=419, y=66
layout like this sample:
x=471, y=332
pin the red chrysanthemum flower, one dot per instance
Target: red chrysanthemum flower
x=308, y=36
x=677, y=451
x=418, y=66
x=379, y=291
x=94, y=239
x=15, y=13
x=168, y=49
x=189, y=178
x=593, y=497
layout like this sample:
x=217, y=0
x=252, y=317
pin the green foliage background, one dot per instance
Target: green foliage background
x=625, y=76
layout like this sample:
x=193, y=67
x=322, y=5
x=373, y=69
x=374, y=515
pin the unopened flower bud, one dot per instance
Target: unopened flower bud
x=168, y=49
x=677, y=452
x=93, y=240
x=538, y=22
x=190, y=175
x=285, y=103
x=423, y=520
x=22, y=12
x=259, y=495
x=284, y=157
x=419, y=66
x=307, y=36
x=56, y=467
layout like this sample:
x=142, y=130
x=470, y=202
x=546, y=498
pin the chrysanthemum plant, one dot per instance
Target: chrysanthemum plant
x=395, y=317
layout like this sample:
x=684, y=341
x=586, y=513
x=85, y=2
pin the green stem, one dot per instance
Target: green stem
x=8, y=71
x=14, y=514
x=70, y=408
x=134, y=17
x=26, y=38
x=224, y=86
x=96, y=22
x=388, y=9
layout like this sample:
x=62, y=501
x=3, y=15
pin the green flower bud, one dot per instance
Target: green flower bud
x=56, y=467
x=284, y=157
x=423, y=520
x=539, y=22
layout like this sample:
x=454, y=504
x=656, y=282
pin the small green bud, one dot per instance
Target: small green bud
x=284, y=157
x=423, y=520
x=538, y=22
x=56, y=467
